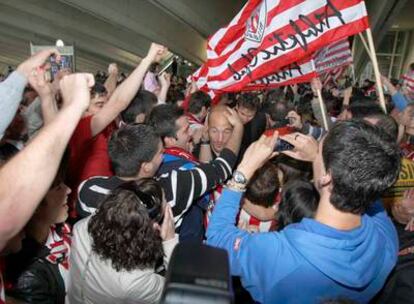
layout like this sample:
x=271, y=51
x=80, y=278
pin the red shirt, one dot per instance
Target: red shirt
x=88, y=154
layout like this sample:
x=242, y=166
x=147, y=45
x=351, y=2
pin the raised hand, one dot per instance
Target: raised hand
x=37, y=80
x=165, y=79
x=257, y=154
x=30, y=65
x=156, y=52
x=233, y=118
x=167, y=229
x=306, y=147
x=75, y=89
x=316, y=84
x=113, y=69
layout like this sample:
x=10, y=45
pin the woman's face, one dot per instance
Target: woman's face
x=55, y=208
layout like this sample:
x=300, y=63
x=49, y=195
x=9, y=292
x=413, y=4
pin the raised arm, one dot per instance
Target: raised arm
x=126, y=91
x=397, y=98
x=25, y=179
x=11, y=90
x=222, y=231
x=165, y=81
x=111, y=81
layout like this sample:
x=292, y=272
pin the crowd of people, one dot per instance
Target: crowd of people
x=101, y=177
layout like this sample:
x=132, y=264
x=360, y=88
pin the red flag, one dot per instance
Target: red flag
x=268, y=35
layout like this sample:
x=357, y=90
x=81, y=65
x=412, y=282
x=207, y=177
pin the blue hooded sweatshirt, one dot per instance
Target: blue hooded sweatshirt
x=307, y=262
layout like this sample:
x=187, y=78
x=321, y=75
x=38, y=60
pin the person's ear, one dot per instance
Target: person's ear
x=169, y=141
x=147, y=168
x=325, y=180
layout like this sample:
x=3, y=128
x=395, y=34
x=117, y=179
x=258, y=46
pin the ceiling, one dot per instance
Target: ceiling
x=105, y=31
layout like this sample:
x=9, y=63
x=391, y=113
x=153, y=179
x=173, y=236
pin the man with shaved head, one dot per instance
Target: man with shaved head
x=219, y=129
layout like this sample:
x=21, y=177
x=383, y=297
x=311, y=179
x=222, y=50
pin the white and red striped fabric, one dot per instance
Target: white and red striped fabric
x=59, y=243
x=333, y=75
x=333, y=56
x=268, y=35
x=408, y=83
x=296, y=72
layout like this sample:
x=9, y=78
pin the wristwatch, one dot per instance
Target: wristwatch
x=239, y=178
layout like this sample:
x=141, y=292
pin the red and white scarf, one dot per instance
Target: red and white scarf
x=59, y=242
x=180, y=152
x=262, y=226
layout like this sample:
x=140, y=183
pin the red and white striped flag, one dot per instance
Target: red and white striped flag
x=296, y=72
x=268, y=35
x=333, y=56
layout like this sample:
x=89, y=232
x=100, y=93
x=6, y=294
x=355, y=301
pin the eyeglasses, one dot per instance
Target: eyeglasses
x=153, y=208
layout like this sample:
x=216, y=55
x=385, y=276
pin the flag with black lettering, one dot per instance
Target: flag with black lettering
x=267, y=35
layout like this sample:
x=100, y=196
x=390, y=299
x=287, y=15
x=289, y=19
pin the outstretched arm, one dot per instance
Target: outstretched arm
x=11, y=90
x=126, y=91
x=25, y=179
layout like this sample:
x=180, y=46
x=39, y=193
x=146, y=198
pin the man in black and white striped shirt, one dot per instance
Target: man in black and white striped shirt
x=136, y=152
x=186, y=183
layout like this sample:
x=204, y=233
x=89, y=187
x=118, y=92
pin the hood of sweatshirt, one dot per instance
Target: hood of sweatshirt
x=352, y=258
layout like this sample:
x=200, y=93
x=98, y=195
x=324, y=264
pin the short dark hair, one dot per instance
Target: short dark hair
x=388, y=124
x=98, y=89
x=299, y=199
x=278, y=110
x=123, y=233
x=292, y=168
x=198, y=100
x=248, y=101
x=363, y=161
x=264, y=186
x=142, y=103
x=130, y=146
x=163, y=119
x=363, y=107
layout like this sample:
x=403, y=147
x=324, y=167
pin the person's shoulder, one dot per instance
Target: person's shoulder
x=81, y=225
x=99, y=184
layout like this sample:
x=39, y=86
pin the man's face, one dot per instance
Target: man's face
x=183, y=135
x=97, y=103
x=245, y=114
x=219, y=131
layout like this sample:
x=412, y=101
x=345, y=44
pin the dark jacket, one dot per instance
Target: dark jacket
x=34, y=279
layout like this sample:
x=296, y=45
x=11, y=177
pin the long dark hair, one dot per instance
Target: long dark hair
x=299, y=199
x=122, y=230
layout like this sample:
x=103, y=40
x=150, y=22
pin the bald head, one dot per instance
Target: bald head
x=219, y=128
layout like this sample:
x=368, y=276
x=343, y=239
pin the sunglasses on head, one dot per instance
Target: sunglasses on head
x=154, y=210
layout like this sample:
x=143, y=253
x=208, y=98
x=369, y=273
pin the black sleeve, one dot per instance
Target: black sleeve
x=37, y=285
x=90, y=195
x=183, y=187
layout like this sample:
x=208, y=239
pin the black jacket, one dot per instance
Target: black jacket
x=34, y=279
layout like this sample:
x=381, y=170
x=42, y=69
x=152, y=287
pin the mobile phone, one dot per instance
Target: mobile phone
x=166, y=67
x=64, y=63
x=282, y=145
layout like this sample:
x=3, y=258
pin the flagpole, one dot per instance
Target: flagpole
x=320, y=99
x=364, y=42
x=353, y=55
x=321, y=104
x=376, y=70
